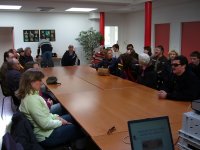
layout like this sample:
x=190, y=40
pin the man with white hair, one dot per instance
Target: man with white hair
x=70, y=57
x=146, y=74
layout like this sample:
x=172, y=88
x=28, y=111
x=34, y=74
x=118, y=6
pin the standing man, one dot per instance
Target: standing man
x=46, y=49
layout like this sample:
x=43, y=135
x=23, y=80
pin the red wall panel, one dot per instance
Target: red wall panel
x=190, y=38
x=162, y=36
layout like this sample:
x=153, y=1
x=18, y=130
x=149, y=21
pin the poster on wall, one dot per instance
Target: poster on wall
x=48, y=34
x=31, y=35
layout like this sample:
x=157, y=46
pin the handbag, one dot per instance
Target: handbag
x=52, y=80
x=103, y=71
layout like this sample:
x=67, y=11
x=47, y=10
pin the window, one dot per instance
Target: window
x=111, y=35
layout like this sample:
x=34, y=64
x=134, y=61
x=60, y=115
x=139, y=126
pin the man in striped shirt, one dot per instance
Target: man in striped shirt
x=98, y=57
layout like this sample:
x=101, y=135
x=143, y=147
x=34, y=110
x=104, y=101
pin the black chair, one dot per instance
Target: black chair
x=10, y=144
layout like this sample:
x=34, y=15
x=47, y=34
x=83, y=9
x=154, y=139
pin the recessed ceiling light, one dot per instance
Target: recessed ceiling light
x=81, y=9
x=10, y=7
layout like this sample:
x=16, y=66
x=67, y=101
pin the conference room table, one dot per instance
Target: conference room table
x=99, y=103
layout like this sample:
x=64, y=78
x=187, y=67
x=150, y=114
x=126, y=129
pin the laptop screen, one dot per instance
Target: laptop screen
x=151, y=134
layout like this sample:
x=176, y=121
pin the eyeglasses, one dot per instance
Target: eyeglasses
x=175, y=65
x=111, y=130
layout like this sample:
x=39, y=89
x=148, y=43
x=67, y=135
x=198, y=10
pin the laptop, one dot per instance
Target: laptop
x=151, y=134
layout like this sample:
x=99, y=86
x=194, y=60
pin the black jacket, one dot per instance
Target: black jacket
x=22, y=132
x=195, y=69
x=12, y=79
x=162, y=69
x=148, y=77
x=185, y=87
x=22, y=60
x=69, y=60
x=28, y=59
x=111, y=64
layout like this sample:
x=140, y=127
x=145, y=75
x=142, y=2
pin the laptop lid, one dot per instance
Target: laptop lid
x=151, y=134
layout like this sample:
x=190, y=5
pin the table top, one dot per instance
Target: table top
x=89, y=75
x=115, y=141
x=98, y=103
x=69, y=84
x=98, y=111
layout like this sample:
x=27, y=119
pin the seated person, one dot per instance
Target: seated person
x=13, y=74
x=31, y=64
x=116, y=52
x=20, y=51
x=27, y=55
x=146, y=74
x=147, y=50
x=159, y=61
x=14, y=51
x=109, y=62
x=47, y=95
x=8, y=56
x=98, y=57
x=171, y=56
x=131, y=51
x=195, y=63
x=70, y=58
x=50, y=129
x=183, y=85
x=126, y=67
x=12, y=78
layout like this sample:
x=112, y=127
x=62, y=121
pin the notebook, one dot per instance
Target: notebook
x=151, y=134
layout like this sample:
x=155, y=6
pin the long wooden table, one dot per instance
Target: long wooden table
x=111, y=103
x=89, y=75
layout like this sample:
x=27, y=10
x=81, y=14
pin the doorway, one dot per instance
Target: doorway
x=6, y=40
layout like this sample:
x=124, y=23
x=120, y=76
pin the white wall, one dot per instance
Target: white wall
x=131, y=26
x=174, y=14
x=6, y=40
x=135, y=27
x=115, y=19
x=67, y=27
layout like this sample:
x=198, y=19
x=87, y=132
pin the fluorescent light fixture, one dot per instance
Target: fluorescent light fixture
x=81, y=9
x=15, y=7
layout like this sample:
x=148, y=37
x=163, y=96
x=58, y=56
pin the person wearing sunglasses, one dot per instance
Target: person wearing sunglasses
x=183, y=84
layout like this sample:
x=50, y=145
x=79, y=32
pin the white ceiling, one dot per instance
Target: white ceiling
x=101, y=5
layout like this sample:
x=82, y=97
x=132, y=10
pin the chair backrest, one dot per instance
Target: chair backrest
x=10, y=144
x=22, y=132
x=5, y=90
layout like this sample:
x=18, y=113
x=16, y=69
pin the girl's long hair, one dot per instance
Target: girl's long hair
x=27, y=78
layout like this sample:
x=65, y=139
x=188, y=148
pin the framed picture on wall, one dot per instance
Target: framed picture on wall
x=31, y=35
x=48, y=34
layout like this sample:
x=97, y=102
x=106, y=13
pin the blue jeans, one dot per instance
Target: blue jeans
x=56, y=109
x=63, y=134
x=47, y=59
